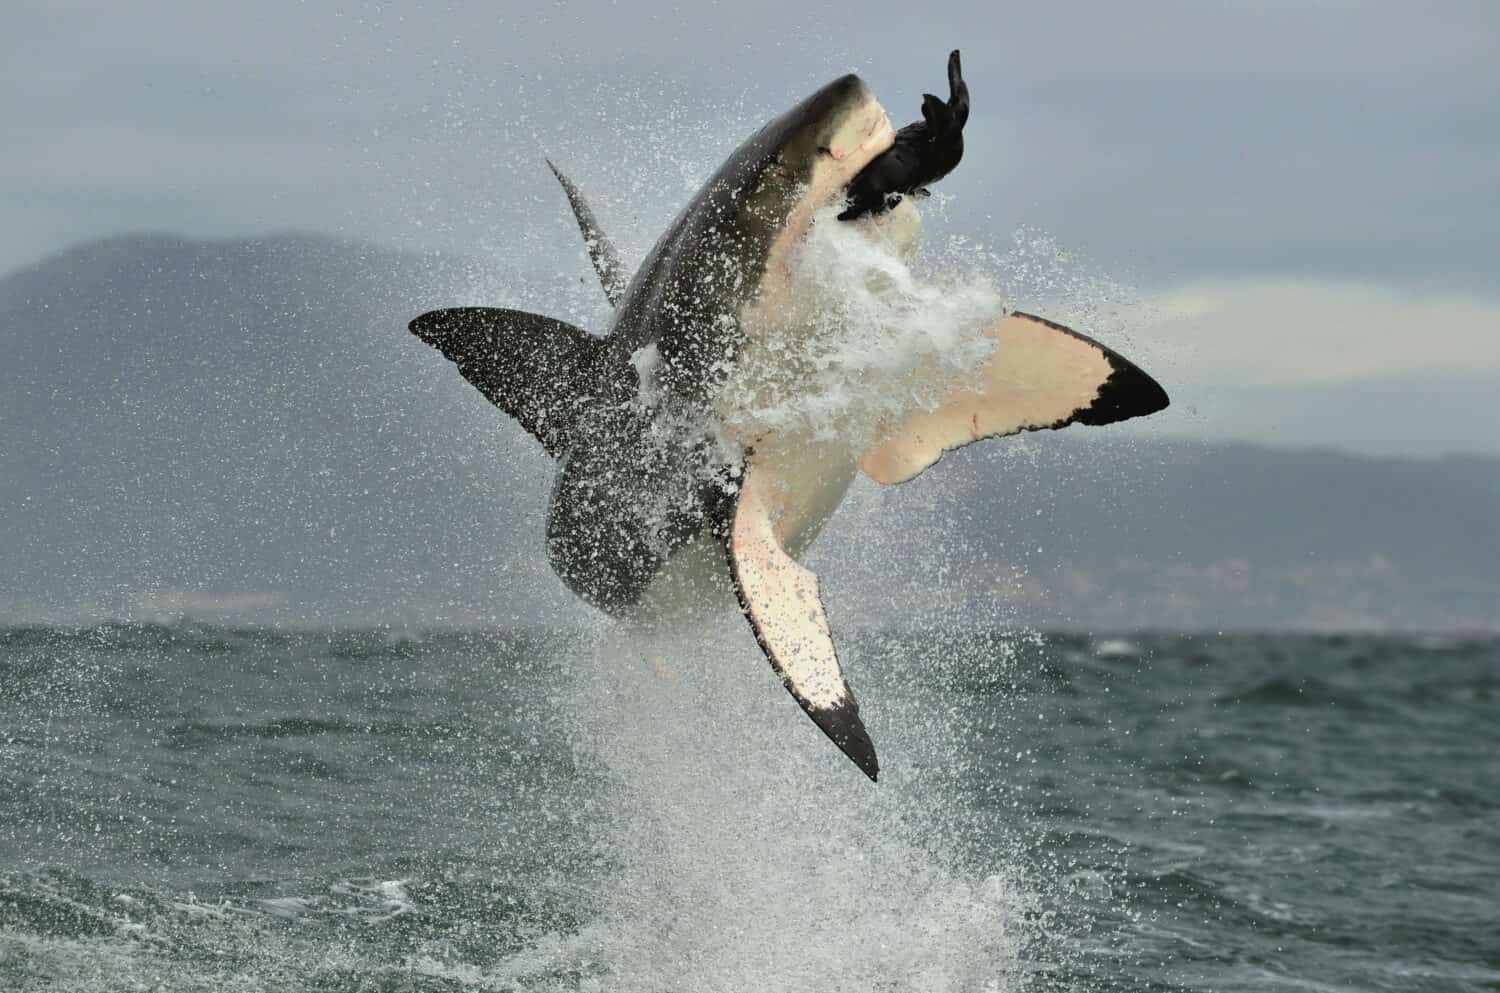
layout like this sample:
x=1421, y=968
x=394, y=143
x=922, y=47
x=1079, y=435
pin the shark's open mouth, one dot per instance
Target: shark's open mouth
x=866, y=136
x=863, y=137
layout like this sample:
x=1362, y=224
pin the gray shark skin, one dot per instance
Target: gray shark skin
x=652, y=466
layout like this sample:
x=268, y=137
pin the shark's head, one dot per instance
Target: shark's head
x=725, y=261
x=802, y=161
x=812, y=151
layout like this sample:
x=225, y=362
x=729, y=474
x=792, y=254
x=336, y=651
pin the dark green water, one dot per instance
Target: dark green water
x=190, y=808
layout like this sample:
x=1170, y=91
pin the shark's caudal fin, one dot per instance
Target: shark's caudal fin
x=612, y=275
x=1041, y=376
x=536, y=369
x=780, y=598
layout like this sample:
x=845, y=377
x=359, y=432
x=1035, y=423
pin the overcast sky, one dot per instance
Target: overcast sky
x=1300, y=200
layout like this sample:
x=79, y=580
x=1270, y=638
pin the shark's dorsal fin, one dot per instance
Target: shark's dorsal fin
x=606, y=261
x=537, y=369
x=780, y=598
x=1041, y=376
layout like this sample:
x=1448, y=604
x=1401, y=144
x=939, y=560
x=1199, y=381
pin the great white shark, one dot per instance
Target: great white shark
x=668, y=484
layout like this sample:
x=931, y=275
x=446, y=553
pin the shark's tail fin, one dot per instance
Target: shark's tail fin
x=539, y=370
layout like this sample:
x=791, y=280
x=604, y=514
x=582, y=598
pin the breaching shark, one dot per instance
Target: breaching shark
x=667, y=484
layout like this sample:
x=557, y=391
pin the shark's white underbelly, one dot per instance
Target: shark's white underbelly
x=813, y=466
x=814, y=477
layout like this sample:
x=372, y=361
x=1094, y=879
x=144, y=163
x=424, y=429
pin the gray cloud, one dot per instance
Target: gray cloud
x=1175, y=139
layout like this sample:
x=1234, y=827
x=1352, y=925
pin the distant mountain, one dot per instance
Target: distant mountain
x=245, y=430
x=249, y=423
x=1123, y=534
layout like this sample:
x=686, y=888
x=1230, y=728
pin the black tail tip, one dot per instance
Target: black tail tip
x=842, y=724
x=862, y=754
x=854, y=741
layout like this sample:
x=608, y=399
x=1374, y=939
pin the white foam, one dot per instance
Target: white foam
x=867, y=339
x=747, y=854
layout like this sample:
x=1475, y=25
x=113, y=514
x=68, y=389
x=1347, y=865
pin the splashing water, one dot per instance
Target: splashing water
x=867, y=341
x=745, y=855
x=743, y=851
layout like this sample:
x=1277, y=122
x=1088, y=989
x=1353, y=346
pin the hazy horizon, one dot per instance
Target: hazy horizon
x=245, y=430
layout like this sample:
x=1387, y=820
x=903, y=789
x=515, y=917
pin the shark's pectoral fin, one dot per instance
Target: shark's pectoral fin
x=780, y=598
x=1040, y=376
x=537, y=369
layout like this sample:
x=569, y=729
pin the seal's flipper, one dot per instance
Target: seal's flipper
x=958, y=91
x=780, y=599
x=606, y=261
x=1040, y=376
x=536, y=369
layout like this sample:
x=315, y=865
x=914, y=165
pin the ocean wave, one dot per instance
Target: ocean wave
x=191, y=733
x=1300, y=691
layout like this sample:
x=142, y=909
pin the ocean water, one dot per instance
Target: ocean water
x=198, y=808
